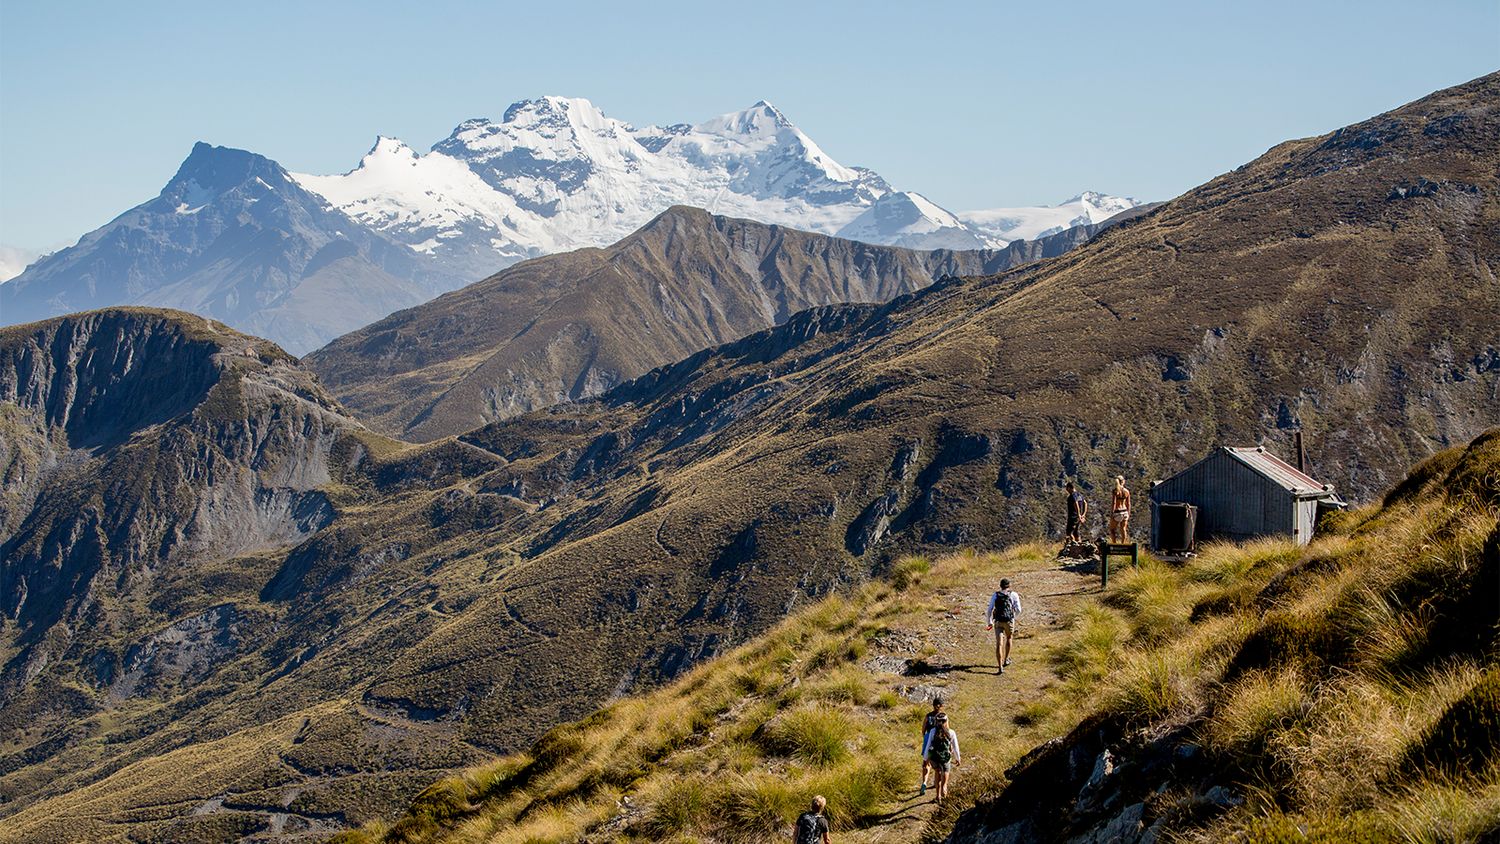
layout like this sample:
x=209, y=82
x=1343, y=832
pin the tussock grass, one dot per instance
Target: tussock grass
x=1350, y=689
x=818, y=736
x=1257, y=706
x=908, y=571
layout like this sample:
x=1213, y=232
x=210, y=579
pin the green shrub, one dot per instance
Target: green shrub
x=682, y=806
x=1339, y=829
x=1092, y=651
x=1257, y=705
x=1151, y=685
x=856, y=792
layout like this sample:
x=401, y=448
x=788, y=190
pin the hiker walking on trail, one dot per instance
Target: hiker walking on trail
x=1078, y=510
x=940, y=749
x=1119, y=512
x=812, y=826
x=1005, y=608
x=929, y=721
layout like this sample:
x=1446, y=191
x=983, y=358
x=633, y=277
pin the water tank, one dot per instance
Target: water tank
x=1176, y=523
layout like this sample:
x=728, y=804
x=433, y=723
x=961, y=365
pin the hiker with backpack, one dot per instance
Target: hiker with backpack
x=1005, y=608
x=940, y=749
x=812, y=826
x=929, y=721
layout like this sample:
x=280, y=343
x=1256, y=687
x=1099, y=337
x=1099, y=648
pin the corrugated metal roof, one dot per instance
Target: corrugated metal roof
x=1279, y=471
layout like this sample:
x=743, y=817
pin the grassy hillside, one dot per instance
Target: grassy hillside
x=829, y=701
x=1344, y=691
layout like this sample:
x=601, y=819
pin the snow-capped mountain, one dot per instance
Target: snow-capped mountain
x=304, y=258
x=557, y=173
x=1006, y=224
x=232, y=236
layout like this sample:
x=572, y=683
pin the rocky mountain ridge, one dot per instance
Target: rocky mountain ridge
x=570, y=326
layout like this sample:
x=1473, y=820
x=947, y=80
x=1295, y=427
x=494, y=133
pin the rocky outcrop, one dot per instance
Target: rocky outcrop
x=154, y=438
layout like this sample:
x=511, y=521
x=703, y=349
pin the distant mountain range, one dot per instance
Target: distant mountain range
x=572, y=325
x=302, y=259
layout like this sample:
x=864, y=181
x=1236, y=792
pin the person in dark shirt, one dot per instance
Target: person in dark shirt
x=1078, y=510
x=812, y=826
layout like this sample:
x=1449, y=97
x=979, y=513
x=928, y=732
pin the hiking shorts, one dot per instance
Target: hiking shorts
x=1006, y=627
x=945, y=767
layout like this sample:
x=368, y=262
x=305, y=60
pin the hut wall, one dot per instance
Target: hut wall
x=1234, y=501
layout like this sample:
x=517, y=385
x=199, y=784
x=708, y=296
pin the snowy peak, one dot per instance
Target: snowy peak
x=557, y=173
x=909, y=219
x=388, y=149
x=550, y=127
x=1001, y=225
x=758, y=121
x=234, y=237
x=1098, y=206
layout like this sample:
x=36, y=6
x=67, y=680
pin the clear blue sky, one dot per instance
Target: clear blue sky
x=973, y=104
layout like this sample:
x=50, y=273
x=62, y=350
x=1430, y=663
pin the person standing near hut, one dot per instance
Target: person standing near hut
x=1119, y=512
x=1078, y=510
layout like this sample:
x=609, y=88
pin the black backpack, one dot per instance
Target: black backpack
x=808, y=831
x=1004, y=609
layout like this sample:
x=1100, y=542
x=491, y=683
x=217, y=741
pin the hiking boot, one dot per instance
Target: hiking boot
x=1007, y=662
x=923, y=791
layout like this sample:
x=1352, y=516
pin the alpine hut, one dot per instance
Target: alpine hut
x=1237, y=494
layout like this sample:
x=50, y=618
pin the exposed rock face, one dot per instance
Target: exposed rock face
x=167, y=436
x=570, y=326
x=146, y=451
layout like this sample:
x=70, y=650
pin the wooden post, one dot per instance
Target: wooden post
x=1103, y=564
